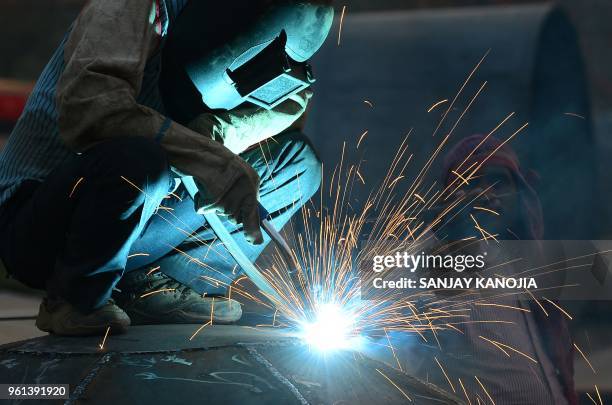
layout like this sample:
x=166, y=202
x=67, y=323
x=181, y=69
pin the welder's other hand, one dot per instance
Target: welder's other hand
x=239, y=202
x=247, y=125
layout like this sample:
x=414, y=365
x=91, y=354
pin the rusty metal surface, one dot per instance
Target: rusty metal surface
x=228, y=364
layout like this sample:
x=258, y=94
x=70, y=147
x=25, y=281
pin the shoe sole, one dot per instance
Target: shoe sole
x=176, y=317
x=45, y=324
x=94, y=330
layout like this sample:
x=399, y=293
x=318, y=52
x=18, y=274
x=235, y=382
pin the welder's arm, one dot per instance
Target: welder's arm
x=105, y=56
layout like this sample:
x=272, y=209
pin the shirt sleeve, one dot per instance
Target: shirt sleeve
x=105, y=56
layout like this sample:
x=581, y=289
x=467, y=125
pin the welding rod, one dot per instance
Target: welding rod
x=284, y=249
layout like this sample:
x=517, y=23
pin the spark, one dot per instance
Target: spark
x=486, y=209
x=509, y=348
x=496, y=345
x=199, y=329
x=485, y=390
x=585, y=358
x=501, y=306
x=485, y=235
x=153, y=270
x=341, y=24
x=175, y=196
x=501, y=145
x=361, y=138
x=575, y=115
x=493, y=131
x=436, y=104
x=360, y=177
x=537, y=302
x=563, y=311
x=395, y=385
x=465, y=392
x=393, y=350
x=454, y=328
x=463, y=179
x=157, y=291
x=369, y=103
x=133, y=185
x=75, y=186
x=465, y=83
x=598, y=395
x=394, y=182
x=445, y=375
x=565, y=260
x=101, y=345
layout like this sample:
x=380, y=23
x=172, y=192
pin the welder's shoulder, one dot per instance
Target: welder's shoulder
x=120, y=12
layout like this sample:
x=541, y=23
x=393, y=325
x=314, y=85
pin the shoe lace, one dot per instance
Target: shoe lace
x=173, y=286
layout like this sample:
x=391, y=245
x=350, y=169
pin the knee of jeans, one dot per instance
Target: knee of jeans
x=140, y=161
x=310, y=170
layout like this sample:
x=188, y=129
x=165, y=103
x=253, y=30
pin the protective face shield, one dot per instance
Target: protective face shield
x=222, y=54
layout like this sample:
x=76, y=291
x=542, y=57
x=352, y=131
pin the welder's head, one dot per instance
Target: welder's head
x=508, y=204
x=224, y=53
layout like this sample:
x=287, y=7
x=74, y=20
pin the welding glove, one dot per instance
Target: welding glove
x=225, y=182
x=240, y=203
x=247, y=125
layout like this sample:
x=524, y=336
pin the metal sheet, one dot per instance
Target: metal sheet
x=225, y=364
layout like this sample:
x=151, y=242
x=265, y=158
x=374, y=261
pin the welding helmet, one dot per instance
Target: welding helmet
x=221, y=54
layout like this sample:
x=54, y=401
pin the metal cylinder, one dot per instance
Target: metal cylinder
x=405, y=62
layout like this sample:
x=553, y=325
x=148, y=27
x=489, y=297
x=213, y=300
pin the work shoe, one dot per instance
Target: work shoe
x=61, y=318
x=158, y=299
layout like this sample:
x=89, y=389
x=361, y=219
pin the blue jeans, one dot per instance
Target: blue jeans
x=108, y=211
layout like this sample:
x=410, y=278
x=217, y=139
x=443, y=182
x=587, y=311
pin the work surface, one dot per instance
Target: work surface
x=227, y=364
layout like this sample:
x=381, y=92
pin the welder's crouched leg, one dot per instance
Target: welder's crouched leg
x=82, y=221
x=290, y=173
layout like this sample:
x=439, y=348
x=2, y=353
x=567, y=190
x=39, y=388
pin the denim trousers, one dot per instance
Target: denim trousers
x=115, y=208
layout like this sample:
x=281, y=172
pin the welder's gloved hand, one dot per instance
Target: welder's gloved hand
x=249, y=124
x=225, y=182
x=240, y=203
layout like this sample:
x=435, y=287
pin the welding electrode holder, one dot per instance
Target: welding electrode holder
x=241, y=258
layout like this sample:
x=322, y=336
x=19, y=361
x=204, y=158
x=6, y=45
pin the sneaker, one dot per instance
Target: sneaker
x=159, y=299
x=61, y=318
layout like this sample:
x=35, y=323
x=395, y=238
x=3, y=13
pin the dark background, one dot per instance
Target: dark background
x=31, y=29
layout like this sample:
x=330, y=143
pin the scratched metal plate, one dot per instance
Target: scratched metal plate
x=51, y=368
x=349, y=378
x=225, y=364
x=222, y=375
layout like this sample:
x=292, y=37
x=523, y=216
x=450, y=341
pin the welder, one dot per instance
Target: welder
x=92, y=206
